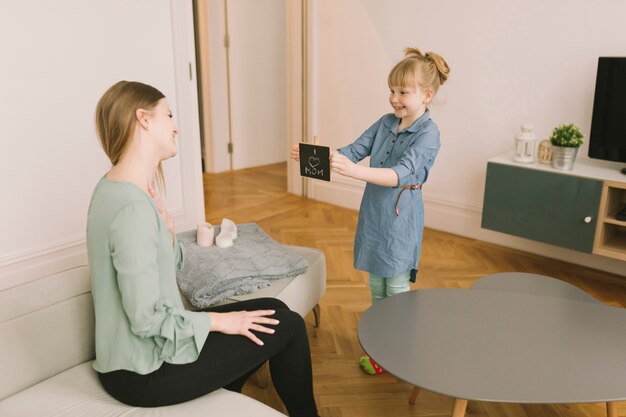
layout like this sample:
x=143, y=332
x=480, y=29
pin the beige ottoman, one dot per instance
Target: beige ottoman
x=301, y=293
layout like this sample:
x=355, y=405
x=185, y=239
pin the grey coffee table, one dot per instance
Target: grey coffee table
x=524, y=282
x=501, y=345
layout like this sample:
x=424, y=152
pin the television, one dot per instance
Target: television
x=607, y=139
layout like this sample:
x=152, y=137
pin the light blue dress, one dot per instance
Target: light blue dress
x=387, y=242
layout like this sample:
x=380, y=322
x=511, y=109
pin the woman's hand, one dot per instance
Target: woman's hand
x=344, y=166
x=242, y=322
x=167, y=218
x=294, y=152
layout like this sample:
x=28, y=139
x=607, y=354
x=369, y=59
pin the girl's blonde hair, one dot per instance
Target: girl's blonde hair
x=116, y=120
x=428, y=70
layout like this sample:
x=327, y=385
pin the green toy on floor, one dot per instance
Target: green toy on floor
x=370, y=366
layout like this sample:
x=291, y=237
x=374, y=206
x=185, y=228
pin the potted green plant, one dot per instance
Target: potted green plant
x=565, y=140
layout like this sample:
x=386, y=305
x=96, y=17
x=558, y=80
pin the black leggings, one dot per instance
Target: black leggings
x=227, y=361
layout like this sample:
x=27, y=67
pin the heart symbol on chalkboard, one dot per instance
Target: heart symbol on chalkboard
x=313, y=161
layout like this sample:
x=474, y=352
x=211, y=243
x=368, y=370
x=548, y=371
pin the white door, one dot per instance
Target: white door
x=255, y=69
x=258, y=81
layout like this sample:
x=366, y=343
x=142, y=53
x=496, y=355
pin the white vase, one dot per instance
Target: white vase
x=563, y=158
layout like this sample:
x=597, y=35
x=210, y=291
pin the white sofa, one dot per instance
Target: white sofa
x=47, y=346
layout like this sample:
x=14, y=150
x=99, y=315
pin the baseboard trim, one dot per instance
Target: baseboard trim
x=25, y=267
x=20, y=267
x=465, y=220
x=339, y=193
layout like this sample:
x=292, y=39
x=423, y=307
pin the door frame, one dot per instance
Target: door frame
x=301, y=47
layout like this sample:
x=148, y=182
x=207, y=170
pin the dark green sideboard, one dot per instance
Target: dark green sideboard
x=547, y=206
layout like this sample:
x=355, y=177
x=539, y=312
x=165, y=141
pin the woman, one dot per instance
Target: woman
x=149, y=350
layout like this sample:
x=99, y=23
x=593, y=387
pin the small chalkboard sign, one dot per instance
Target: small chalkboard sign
x=315, y=161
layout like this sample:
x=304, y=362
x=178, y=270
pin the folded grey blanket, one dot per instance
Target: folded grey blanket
x=212, y=274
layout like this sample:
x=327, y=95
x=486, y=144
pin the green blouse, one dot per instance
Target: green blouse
x=140, y=318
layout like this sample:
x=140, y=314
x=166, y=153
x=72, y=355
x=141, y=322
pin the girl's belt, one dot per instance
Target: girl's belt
x=404, y=188
x=411, y=187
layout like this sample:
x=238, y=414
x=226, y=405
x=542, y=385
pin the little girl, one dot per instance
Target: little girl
x=402, y=147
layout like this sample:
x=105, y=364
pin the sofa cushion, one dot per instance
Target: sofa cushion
x=46, y=327
x=77, y=392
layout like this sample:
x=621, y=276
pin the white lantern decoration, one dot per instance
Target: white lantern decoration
x=525, y=144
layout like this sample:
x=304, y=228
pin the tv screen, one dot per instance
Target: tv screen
x=607, y=139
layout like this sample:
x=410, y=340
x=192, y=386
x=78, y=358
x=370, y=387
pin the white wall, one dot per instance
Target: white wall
x=511, y=62
x=258, y=71
x=58, y=59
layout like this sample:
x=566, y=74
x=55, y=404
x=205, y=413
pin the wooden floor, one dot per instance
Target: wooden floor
x=259, y=195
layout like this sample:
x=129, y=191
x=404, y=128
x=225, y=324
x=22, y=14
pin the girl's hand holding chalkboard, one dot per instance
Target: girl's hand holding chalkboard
x=342, y=165
x=294, y=153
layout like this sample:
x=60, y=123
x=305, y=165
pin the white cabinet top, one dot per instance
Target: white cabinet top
x=584, y=167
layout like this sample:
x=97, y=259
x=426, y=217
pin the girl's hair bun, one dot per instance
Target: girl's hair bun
x=440, y=64
x=412, y=53
x=428, y=70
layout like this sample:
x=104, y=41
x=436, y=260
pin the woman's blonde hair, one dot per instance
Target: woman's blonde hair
x=428, y=70
x=116, y=119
